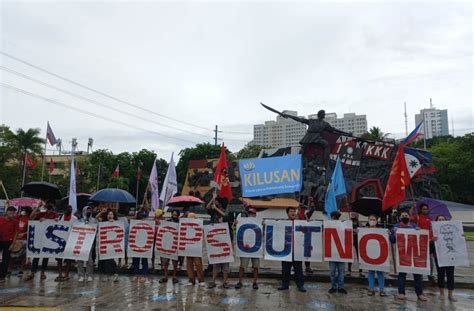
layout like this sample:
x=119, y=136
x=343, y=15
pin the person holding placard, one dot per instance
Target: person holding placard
x=67, y=216
x=297, y=265
x=244, y=261
x=142, y=214
x=194, y=262
x=86, y=274
x=8, y=225
x=444, y=271
x=423, y=221
x=405, y=223
x=165, y=262
x=371, y=273
x=21, y=236
x=109, y=265
x=336, y=268
x=41, y=213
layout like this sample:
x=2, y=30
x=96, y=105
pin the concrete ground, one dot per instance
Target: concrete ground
x=99, y=295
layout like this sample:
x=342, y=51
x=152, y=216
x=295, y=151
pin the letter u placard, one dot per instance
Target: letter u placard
x=278, y=240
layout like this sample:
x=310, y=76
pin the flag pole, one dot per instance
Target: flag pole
x=4, y=191
x=50, y=170
x=98, y=176
x=24, y=172
x=44, y=155
x=138, y=184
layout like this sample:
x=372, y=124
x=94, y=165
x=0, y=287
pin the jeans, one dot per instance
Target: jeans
x=286, y=273
x=380, y=277
x=35, y=263
x=136, y=266
x=337, y=281
x=89, y=266
x=4, y=246
x=418, y=283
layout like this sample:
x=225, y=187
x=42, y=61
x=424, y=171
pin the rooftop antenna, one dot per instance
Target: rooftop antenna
x=406, y=120
x=431, y=104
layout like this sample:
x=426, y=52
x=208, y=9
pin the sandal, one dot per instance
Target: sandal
x=370, y=292
x=211, y=285
x=58, y=279
x=43, y=277
x=163, y=280
x=30, y=277
x=255, y=286
x=225, y=285
x=382, y=294
x=175, y=280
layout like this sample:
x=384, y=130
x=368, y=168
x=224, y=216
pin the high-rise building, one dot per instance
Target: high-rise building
x=435, y=121
x=280, y=133
x=351, y=123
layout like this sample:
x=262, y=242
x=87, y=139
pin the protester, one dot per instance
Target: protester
x=244, y=261
x=405, y=223
x=372, y=223
x=41, y=214
x=297, y=265
x=158, y=215
x=64, y=275
x=423, y=221
x=355, y=241
x=21, y=236
x=136, y=260
x=166, y=261
x=87, y=273
x=336, y=268
x=303, y=215
x=109, y=265
x=194, y=262
x=126, y=227
x=444, y=271
x=8, y=225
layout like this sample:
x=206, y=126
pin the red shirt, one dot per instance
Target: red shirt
x=22, y=227
x=7, y=228
x=424, y=222
x=47, y=215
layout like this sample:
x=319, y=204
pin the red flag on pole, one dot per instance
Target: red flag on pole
x=139, y=173
x=221, y=177
x=51, y=166
x=398, y=180
x=30, y=162
x=77, y=170
x=116, y=172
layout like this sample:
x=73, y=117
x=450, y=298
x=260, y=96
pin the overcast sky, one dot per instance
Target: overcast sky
x=208, y=63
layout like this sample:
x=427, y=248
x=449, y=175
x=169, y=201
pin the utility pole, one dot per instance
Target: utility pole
x=215, y=135
x=406, y=120
x=452, y=126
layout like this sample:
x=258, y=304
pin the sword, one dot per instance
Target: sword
x=271, y=109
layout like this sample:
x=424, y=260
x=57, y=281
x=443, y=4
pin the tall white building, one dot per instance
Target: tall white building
x=351, y=123
x=280, y=133
x=436, y=121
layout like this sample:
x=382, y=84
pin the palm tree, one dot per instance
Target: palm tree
x=375, y=133
x=28, y=141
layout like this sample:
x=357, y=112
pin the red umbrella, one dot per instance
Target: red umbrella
x=21, y=202
x=184, y=201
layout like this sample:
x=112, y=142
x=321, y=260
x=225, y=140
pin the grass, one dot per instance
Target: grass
x=469, y=236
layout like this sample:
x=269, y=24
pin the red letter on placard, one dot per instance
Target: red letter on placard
x=211, y=240
x=137, y=229
x=160, y=233
x=114, y=242
x=412, y=251
x=183, y=239
x=83, y=232
x=344, y=253
x=383, y=246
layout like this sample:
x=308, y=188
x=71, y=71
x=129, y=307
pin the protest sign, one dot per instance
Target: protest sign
x=308, y=241
x=141, y=238
x=167, y=238
x=80, y=241
x=190, y=237
x=278, y=240
x=451, y=249
x=412, y=254
x=249, y=234
x=218, y=243
x=35, y=239
x=111, y=240
x=272, y=175
x=55, y=236
x=374, y=249
x=338, y=241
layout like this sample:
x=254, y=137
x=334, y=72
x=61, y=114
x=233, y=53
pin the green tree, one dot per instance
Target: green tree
x=249, y=151
x=375, y=133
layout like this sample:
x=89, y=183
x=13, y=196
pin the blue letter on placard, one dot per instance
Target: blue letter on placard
x=258, y=238
x=31, y=240
x=53, y=237
x=308, y=232
x=269, y=245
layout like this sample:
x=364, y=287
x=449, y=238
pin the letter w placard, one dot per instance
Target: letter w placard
x=412, y=251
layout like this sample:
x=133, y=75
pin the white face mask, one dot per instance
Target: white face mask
x=42, y=210
x=23, y=213
x=372, y=223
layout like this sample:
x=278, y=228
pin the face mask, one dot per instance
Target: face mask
x=405, y=220
x=88, y=215
x=23, y=213
x=42, y=210
x=372, y=223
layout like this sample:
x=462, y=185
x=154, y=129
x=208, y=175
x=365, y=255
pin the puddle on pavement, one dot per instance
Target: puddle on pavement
x=233, y=301
x=14, y=290
x=164, y=297
x=320, y=305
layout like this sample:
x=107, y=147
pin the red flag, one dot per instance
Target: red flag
x=30, y=162
x=139, y=173
x=51, y=166
x=221, y=177
x=398, y=180
x=116, y=172
x=78, y=171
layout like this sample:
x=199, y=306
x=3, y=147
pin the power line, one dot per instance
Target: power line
x=94, y=102
x=99, y=92
x=58, y=103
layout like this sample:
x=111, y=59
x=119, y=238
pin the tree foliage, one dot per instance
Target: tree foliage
x=249, y=151
x=375, y=133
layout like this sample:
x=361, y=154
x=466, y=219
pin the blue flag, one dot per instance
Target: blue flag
x=336, y=187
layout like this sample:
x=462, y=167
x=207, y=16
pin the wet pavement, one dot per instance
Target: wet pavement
x=152, y=295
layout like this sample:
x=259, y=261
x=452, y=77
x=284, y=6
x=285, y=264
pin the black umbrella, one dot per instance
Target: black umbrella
x=42, y=190
x=367, y=206
x=82, y=199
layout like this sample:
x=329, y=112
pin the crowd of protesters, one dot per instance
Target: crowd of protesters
x=13, y=239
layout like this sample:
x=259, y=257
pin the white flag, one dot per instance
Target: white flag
x=72, y=188
x=155, y=199
x=170, y=185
